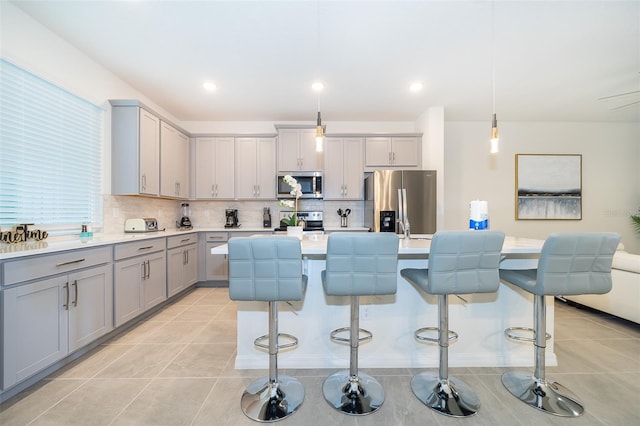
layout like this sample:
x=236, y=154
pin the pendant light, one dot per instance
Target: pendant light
x=317, y=87
x=494, y=120
x=319, y=134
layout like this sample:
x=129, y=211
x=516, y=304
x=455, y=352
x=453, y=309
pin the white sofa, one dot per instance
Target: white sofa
x=624, y=298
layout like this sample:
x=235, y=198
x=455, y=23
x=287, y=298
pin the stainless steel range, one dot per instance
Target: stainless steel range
x=312, y=220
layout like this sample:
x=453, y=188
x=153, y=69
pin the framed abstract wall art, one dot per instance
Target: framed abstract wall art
x=549, y=186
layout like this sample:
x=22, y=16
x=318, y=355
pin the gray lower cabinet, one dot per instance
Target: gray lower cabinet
x=216, y=265
x=140, y=280
x=182, y=262
x=49, y=317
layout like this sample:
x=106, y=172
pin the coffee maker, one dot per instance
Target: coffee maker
x=231, y=218
x=184, y=222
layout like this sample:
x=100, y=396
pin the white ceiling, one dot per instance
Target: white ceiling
x=553, y=59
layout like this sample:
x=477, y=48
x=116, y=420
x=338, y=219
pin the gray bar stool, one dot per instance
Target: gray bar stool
x=460, y=262
x=358, y=264
x=569, y=264
x=268, y=269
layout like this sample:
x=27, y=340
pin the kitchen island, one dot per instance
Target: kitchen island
x=479, y=319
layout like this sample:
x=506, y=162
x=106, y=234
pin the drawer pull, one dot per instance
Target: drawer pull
x=71, y=262
x=186, y=240
x=145, y=248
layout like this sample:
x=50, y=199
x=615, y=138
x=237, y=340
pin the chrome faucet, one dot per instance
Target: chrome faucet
x=406, y=228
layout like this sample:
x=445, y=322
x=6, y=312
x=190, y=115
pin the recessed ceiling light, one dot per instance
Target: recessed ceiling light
x=416, y=87
x=210, y=86
x=317, y=86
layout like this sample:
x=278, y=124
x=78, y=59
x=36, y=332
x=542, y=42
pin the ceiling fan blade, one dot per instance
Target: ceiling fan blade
x=617, y=96
x=625, y=105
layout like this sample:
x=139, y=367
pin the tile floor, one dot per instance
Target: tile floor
x=176, y=368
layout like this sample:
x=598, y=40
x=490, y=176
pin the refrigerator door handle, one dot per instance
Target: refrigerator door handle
x=403, y=219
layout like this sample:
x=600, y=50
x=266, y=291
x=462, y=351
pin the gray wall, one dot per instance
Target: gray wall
x=610, y=174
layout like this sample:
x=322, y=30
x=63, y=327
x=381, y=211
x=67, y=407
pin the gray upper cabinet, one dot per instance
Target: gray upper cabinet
x=297, y=150
x=392, y=151
x=343, y=168
x=174, y=162
x=255, y=171
x=214, y=168
x=149, y=156
x=135, y=151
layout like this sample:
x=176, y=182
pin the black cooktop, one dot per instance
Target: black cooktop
x=284, y=229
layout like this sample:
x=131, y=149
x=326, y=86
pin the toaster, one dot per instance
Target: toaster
x=144, y=224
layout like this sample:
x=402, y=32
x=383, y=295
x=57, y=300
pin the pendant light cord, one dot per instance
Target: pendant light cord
x=493, y=61
x=318, y=59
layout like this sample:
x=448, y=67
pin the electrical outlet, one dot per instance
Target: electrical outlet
x=366, y=312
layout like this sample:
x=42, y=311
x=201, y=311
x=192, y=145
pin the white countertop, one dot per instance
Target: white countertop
x=55, y=244
x=418, y=244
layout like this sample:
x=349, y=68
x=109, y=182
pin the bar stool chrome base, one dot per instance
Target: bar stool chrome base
x=550, y=397
x=355, y=395
x=451, y=397
x=264, y=401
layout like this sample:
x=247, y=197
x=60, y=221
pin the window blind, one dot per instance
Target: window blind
x=50, y=154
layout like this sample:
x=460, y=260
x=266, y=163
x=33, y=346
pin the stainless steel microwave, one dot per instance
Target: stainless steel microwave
x=310, y=182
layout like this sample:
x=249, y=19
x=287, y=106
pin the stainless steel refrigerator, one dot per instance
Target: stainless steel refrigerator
x=382, y=210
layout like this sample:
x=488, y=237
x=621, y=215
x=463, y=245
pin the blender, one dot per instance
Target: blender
x=184, y=222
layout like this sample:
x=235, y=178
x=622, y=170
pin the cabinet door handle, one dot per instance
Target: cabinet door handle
x=213, y=190
x=75, y=286
x=66, y=303
x=185, y=240
x=71, y=262
x=258, y=187
x=143, y=266
x=144, y=182
x=216, y=190
x=145, y=248
x=148, y=269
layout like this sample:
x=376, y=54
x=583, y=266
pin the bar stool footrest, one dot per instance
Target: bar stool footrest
x=511, y=334
x=335, y=338
x=293, y=341
x=452, y=335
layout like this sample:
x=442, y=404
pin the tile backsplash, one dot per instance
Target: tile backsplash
x=117, y=208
